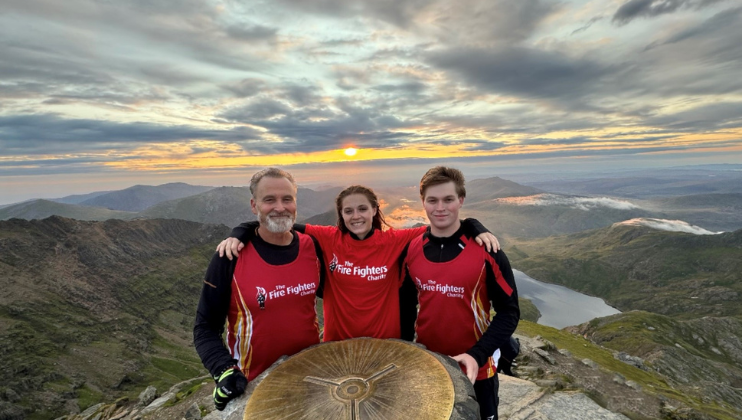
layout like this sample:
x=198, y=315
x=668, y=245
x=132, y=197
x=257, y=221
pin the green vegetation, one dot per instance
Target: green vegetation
x=650, y=381
x=189, y=389
x=634, y=267
x=528, y=311
x=584, y=349
x=87, y=397
x=102, y=309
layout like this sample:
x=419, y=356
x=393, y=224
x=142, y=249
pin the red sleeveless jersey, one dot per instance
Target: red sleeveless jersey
x=454, y=305
x=361, y=296
x=272, y=312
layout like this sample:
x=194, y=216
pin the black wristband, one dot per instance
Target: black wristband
x=221, y=372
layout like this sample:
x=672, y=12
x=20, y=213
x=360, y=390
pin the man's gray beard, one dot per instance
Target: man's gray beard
x=277, y=226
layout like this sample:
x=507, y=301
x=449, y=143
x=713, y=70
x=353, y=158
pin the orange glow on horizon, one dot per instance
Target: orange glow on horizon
x=216, y=155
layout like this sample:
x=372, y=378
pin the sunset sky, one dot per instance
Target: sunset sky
x=101, y=95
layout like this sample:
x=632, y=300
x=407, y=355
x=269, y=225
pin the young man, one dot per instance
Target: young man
x=267, y=296
x=456, y=283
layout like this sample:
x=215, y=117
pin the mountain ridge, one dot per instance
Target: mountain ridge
x=119, y=293
x=142, y=197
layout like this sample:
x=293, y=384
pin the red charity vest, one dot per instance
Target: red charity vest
x=454, y=305
x=361, y=297
x=272, y=312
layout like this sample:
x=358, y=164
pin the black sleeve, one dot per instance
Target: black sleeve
x=212, y=315
x=472, y=228
x=321, y=289
x=245, y=231
x=500, y=281
x=407, y=307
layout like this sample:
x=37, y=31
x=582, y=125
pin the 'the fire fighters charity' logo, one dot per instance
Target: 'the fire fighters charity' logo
x=333, y=263
x=261, y=297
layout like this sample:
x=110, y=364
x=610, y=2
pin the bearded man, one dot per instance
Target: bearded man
x=267, y=296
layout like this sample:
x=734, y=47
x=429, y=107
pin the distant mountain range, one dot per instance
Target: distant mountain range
x=41, y=209
x=508, y=209
x=651, y=183
x=141, y=197
x=225, y=205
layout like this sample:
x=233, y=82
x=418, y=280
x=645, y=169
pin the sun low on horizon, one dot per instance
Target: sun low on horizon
x=221, y=87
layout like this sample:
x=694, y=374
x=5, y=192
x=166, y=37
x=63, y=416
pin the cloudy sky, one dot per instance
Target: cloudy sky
x=98, y=94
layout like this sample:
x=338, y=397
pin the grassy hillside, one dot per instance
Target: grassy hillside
x=635, y=267
x=528, y=310
x=95, y=310
x=706, y=400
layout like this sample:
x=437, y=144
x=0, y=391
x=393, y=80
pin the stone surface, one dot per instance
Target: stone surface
x=545, y=355
x=156, y=404
x=629, y=359
x=89, y=412
x=193, y=413
x=147, y=396
x=588, y=362
x=523, y=400
x=120, y=415
x=634, y=385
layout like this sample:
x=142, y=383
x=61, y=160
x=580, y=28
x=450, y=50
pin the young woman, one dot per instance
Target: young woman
x=361, y=292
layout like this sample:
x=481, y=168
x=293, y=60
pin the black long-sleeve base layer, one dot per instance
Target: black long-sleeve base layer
x=506, y=307
x=216, y=293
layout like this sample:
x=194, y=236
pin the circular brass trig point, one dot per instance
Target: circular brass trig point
x=356, y=379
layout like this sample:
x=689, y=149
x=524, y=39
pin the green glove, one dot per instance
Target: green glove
x=229, y=385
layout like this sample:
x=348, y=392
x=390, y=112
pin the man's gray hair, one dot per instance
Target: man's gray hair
x=271, y=173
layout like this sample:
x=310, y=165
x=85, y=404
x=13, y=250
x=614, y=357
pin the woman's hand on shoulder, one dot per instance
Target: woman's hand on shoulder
x=489, y=241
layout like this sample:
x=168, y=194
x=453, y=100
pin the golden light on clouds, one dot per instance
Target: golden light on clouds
x=212, y=154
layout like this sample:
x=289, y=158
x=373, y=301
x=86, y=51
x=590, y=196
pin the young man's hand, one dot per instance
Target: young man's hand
x=229, y=385
x=470, y=366
x=231, y=247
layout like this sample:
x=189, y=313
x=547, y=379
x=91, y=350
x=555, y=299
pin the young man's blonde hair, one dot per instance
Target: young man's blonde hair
x=441, y=175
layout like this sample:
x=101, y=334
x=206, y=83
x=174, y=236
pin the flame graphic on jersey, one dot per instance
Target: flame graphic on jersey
x=333, y=263
x=481, y=315
x=242, y=331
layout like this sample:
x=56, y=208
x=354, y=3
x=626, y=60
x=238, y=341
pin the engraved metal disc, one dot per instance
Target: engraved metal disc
x=358, y=379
